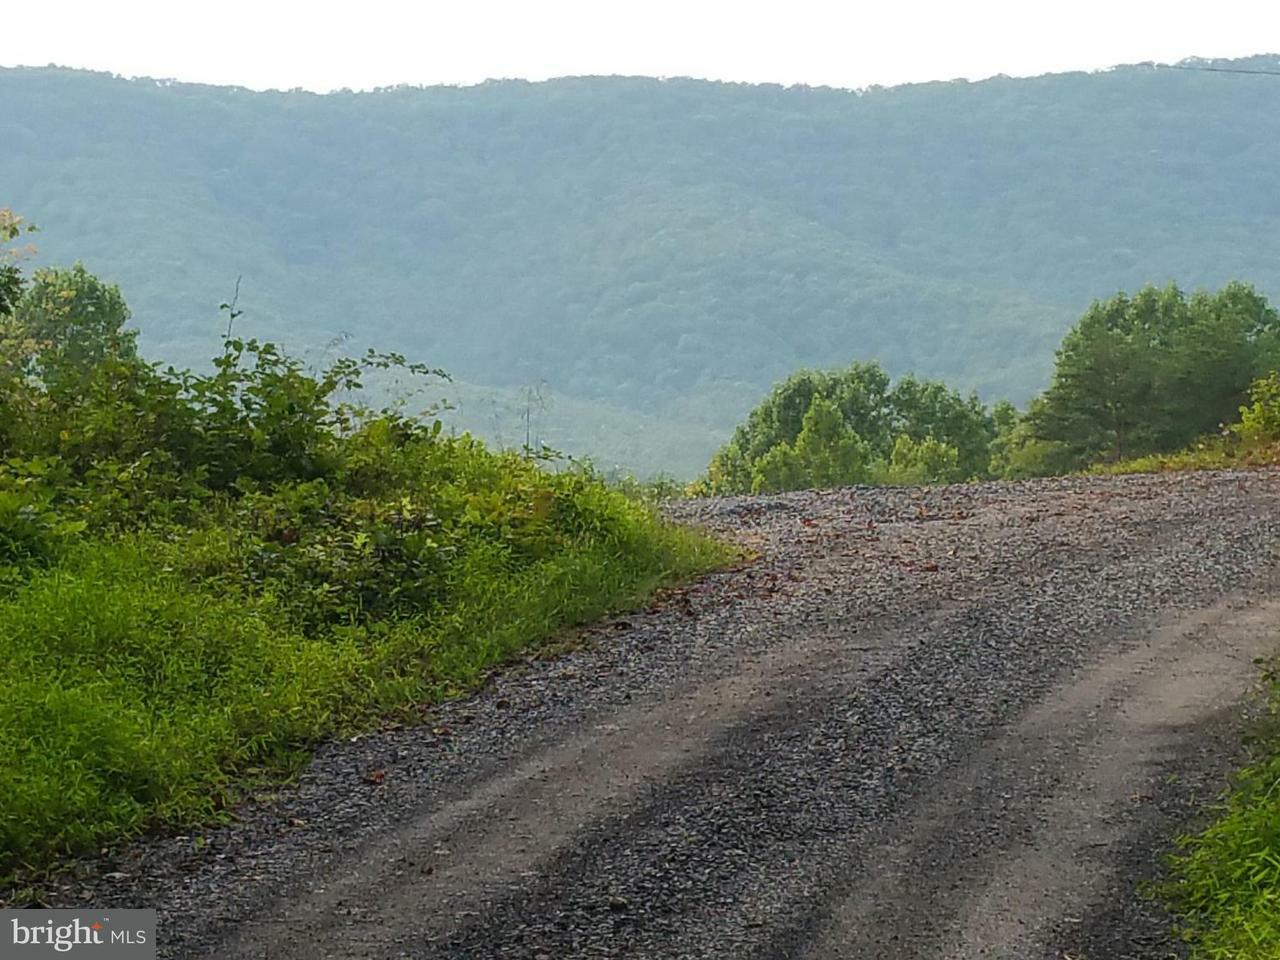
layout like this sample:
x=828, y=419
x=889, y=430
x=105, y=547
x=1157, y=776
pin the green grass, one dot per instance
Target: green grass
x=1209, y=454
x=1226, y=885
x=148, y=683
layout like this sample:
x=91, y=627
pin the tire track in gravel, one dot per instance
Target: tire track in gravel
x=518, y=821
x=726, y=850
x=1064, y=775
x=912, y=729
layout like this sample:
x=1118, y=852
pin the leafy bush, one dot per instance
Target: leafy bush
x=202, y=574
x=1260, y=420
x=32, y=530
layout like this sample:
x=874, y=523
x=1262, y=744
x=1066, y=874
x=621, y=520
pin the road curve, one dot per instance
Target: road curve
x=926, y=723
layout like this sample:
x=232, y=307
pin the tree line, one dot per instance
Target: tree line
x=1136, y=375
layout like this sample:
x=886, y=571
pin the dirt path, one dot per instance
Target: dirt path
x=927, y=724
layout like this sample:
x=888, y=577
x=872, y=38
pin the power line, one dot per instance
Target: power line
x=1260, y=73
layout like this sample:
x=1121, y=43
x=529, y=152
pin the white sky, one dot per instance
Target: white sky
x=323, y=45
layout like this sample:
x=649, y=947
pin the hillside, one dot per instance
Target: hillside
x=658, y=252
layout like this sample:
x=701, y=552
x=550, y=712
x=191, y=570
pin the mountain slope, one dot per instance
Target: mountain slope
x=665, y=248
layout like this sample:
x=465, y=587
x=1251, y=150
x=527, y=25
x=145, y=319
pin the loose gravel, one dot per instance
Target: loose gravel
x=908, y=729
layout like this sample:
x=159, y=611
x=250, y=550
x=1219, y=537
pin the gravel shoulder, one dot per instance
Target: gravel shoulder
x=946, y=722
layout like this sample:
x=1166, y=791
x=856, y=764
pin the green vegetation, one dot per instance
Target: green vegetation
x=693, y=242
x=1227, y=879
x=1136, y=380
x=204, y=568
x=203, y=573
x=819, y=429
x=1253, y=441
x=1150, y=373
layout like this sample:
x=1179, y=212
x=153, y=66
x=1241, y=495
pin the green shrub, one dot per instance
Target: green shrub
x=32, y=529
x=1260, y=420
x=203, y=574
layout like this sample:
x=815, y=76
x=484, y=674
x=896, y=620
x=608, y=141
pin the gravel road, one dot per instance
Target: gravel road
x=926, y=723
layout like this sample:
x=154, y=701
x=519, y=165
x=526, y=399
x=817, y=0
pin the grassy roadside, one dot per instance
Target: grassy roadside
x=148, y=678
x=203, y=574
x=1209, y=454
x=1226, y=886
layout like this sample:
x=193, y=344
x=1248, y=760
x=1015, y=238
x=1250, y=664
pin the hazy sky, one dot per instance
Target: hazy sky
x=366, y=43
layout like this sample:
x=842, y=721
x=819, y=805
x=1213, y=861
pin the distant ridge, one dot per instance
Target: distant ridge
x=657, y=252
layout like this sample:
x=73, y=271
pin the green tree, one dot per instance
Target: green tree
x=925, y=409
x=867, y=406
x=12, y=282
x=923, y=461
x=1102, y=399
x=78, y=319
x=1149, y=373
x=825, y=454
x=830, y=453
x=1017, y=454
x=778, y=470
x=1228, y=340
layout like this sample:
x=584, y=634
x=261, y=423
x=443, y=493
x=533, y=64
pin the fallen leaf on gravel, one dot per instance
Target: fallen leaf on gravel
x=375, y=777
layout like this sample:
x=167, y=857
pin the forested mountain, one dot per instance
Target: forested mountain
x=656, y=253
